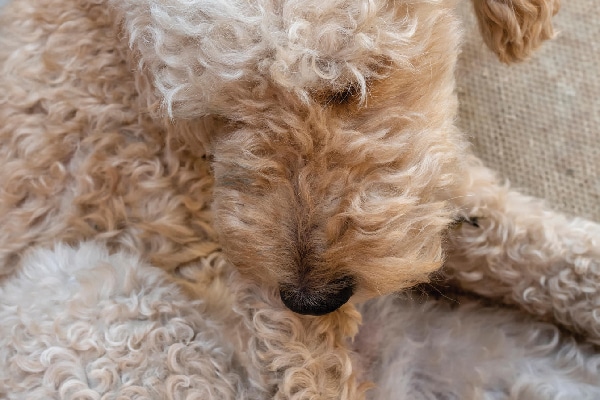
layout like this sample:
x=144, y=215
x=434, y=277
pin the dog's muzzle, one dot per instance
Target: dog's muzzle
x=318, y=302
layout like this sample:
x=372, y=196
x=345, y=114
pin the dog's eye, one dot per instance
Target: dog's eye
x=345, y=96
x=459, y=220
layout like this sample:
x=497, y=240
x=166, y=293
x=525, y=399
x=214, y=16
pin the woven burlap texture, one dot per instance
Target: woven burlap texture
x=538, y=123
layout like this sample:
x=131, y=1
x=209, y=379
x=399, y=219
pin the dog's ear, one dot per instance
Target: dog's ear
x=513, y=29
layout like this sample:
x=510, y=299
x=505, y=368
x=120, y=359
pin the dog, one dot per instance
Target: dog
x=106, y=324
x=329, y=131
x=313, y=142
x=338, y=171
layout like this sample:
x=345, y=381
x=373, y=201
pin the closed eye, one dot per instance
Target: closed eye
x=459, y=220
x=343, y=97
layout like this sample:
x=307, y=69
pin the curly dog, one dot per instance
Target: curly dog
x=313, y=142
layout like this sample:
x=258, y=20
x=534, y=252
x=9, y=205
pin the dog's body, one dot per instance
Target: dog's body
x=313, y=141
x=105, y=324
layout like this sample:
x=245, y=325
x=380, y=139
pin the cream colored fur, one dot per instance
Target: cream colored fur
x=78, y=323
x=310, y=144
x=83, y=323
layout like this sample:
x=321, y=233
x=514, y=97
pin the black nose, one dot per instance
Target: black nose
x=327, y=299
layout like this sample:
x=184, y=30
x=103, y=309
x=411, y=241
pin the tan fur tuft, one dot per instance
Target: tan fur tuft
x=513, y=29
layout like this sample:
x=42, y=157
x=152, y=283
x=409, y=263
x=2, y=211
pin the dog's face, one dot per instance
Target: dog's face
x=338, y=148
x=327, y=194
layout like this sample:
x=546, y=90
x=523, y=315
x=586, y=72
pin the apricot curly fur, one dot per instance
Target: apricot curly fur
x=514, y=29
x=304, y=143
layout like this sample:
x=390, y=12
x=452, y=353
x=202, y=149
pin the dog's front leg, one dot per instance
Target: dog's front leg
x=520, y=251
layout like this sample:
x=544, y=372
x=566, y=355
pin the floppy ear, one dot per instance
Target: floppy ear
x=513, y=29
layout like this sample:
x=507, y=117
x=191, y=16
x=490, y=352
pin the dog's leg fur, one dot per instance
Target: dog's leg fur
x=523, y=253
x=519, y=250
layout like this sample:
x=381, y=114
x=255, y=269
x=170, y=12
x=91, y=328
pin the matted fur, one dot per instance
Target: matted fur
x=81, y=157
x=309, y=143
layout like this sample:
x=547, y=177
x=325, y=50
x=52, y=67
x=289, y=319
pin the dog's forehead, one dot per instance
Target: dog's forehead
x=316, y=42
x=204, y=54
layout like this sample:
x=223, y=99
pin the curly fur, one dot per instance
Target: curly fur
x=311, y=141
x=513, y=29
x=105, y=325
x=201, y=51
x=435, y=350
x=562, y=276
x=77, y=323
x=310, y=221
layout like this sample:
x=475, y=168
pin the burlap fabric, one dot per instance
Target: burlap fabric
x=538, y=123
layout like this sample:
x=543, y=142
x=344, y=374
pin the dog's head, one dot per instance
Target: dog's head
x=331, y=129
